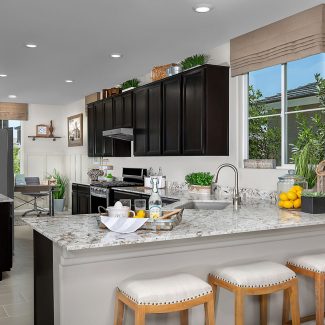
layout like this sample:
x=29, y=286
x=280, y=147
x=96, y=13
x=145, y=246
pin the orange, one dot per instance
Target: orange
x=297, y=203
x=288, y=204
x=283, y=196
x=292, y=195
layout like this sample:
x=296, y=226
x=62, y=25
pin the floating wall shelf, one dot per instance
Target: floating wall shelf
x=34, y=137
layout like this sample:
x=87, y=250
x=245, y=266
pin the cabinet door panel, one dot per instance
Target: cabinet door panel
x=108, y=125
x=154, y=120
x=91, y=130
x=128, y=111
x=118, y=112
x=74, y=202
x=99, y=127
x=83, y=203
x=172, y=108
x=194, y=112
x=140, y=121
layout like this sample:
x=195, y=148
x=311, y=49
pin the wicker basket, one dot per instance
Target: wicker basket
x=159, y=72
x=111, y=92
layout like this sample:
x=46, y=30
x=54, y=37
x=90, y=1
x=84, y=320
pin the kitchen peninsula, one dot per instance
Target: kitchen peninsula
x=86, y=263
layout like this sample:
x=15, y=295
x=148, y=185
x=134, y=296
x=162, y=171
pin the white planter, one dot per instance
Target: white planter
x=59, y=205
x=197, y=189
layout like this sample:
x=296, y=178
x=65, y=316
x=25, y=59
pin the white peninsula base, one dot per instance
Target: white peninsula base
x=85, y=280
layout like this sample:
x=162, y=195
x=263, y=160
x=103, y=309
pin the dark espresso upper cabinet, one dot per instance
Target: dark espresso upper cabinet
x=155, y=120
x=123, y=111
x=140, y=122
x=194, y=112
x=205, y=111
x=172, y=116
x=99, y=123
x=91, y=130
x=108, y=125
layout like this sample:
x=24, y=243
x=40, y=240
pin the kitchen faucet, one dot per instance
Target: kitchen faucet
x=236, y=198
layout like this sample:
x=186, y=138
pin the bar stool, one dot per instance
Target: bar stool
x=312, y=266
x=175, y=293
x=258, y=279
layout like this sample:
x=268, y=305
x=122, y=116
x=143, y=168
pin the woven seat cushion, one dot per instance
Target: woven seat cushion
x=255, y=275
x=315, y=263
x=166, y=290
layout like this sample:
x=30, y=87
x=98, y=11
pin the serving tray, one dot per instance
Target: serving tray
x=156, y=224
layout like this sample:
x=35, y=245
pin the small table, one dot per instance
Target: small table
x=25, y=189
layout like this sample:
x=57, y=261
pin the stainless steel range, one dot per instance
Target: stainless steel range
x=100, y=193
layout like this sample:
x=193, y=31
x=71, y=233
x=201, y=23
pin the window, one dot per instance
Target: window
x=283, y=100
x=16, y=125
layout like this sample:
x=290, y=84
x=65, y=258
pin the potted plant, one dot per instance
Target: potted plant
x=313, y=202
x=60, y=190
x=194, y=61
x=130, y=84
x=200, y=182
x=109, y=177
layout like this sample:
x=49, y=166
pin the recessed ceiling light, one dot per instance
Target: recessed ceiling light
x=116, y=55
x=31, y=45
x=3, y=75
x=12, y=96
x=68, y=81
x=202, y=9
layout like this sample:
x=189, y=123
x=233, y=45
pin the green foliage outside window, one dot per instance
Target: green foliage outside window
x=16, y=159
x=264, y=134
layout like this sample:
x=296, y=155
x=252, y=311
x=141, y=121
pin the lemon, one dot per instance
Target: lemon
x=296, y=188
x=297, y=203
x=283, y=196
x=140, y=214
x=288, y=204
x=299, y=193
x=280, y=204
x=292, y=195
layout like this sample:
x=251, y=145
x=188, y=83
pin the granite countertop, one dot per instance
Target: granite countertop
x=5, y=199
x=81, y=231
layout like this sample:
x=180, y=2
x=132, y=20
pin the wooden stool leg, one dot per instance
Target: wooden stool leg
x=184, y=317
x=263, y=309
x=118, y=312
x=209, y=312
x=294, y=302
x=139, y=316
x=286, y=306
x=239, y=308
x=319, y=297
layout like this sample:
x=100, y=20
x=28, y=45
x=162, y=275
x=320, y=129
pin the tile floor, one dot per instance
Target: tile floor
x=16, y=288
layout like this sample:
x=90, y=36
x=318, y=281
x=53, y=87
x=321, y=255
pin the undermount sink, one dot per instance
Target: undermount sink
x=206, y=205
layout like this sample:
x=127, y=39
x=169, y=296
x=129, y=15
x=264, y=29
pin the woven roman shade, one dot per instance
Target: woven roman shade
x=13, y=111
x=289, y=39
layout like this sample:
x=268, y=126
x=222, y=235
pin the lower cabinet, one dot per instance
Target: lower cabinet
x=6, y=236
x=80, y=199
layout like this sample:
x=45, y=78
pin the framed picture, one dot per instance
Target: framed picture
x=75, y=131
x=42, y=130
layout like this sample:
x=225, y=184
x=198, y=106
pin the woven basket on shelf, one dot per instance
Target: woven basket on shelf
x=159, y=72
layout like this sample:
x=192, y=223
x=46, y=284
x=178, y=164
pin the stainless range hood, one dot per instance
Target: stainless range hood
x=125, y=134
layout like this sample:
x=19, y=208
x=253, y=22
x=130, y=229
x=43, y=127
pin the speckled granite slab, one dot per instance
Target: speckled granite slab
x=82, y=232
x=5, y=199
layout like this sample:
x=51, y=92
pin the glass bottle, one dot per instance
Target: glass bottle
x=287, y=181
x=155, y=202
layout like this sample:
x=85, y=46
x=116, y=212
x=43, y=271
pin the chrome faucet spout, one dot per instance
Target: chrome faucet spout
x=236, y=197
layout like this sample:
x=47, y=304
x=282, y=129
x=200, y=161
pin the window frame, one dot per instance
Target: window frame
x=283, y=115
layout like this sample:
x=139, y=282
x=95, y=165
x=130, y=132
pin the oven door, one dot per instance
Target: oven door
x=98, y=198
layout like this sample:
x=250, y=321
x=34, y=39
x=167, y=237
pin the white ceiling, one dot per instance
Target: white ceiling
x=75, y=38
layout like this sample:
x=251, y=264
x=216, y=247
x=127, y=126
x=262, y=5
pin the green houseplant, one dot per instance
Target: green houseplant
x=132, y=83
x=59, y=193
x=313, y=202
x=194, y=60
x=200, y=182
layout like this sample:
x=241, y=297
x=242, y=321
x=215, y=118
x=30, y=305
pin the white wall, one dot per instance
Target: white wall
x=42, y=156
